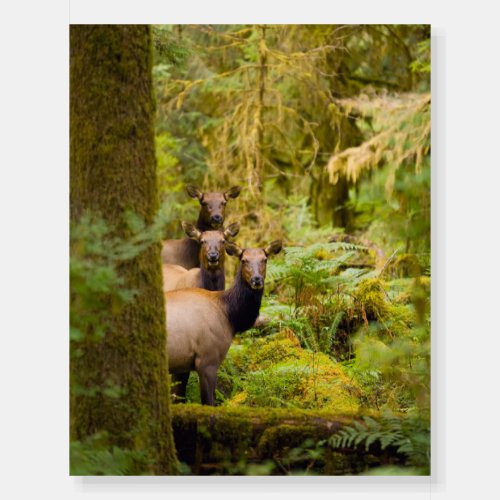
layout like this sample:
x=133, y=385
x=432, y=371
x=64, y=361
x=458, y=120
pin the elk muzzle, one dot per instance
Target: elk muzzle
x=256, y=282
x=213, y=258
x=216, y=221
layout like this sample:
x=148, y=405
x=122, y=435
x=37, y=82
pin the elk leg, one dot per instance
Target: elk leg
x=179, y=389
x=208, y=381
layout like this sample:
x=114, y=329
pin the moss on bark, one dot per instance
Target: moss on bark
x=113, y=169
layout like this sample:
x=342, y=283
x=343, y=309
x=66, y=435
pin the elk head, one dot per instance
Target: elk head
x=212, y=243
x=253, y=262
x=212, y=205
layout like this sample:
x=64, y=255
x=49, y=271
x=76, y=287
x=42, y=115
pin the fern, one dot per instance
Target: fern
x=303, y=329
x=94, y=456
x=313, y=265
x=410, y=436
x=328, y=335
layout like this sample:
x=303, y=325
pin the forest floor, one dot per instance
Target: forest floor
x=341, y=343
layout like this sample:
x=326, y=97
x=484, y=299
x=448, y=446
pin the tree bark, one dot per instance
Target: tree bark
x=113, y=169
x=256, y=176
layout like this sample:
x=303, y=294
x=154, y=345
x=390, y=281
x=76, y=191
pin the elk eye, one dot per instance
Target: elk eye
x=203, y=203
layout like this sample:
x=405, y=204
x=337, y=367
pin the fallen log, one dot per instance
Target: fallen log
x=241, y=440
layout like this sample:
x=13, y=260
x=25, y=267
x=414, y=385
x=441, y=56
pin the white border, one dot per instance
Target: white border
x=34, y=211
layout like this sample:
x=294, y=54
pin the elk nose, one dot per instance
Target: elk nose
x=213, y=257
x=217, y=219
x=256, y=282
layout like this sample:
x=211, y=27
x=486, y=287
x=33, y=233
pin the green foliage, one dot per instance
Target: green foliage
x=298, y=220
x=316, y=266
x=95, y=457
x=97, y=290
x=404, y=223
x=410, y=435
x=422, y=64
x=168, y=48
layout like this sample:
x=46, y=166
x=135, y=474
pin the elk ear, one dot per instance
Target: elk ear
x=233, y=249
x=234, y=192
x=194, y=192
x=232, y=230
x=191, y=230
x=274, y=247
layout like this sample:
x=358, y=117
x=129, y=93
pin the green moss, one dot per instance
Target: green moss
x=266, y=353
x=371, y=297
x=226, y=439
x=189, y=413
x=282, y=374
x=337, y=463
x=280, y=437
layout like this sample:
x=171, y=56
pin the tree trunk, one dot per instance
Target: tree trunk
x=113, y=169
x=331, y=201
x=257, y=173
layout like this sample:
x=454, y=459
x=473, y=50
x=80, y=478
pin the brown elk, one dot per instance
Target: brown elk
x=185, y=252
x=201, y=324
x=210, y=275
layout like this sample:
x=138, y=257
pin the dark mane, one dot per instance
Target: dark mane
x=242, y=304
x=212, y=280
x=201, y=225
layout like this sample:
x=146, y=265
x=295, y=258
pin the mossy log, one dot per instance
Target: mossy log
x=219, y=440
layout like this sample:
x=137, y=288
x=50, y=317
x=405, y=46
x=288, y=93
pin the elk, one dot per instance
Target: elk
x=185, y=252
x=202, y=324
x=210, y=275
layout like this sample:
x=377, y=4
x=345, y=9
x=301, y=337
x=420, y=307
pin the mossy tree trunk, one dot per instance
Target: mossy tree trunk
x=113, y=169
x=330, y=202
x=258, y=172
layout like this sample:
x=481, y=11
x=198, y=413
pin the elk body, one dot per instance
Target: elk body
x=201, y=324
x=210, y=275
x=185, y=252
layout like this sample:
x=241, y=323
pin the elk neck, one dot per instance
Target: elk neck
x=212, y=280
x=242, y=304
x=202, y=225
x=192, y=249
